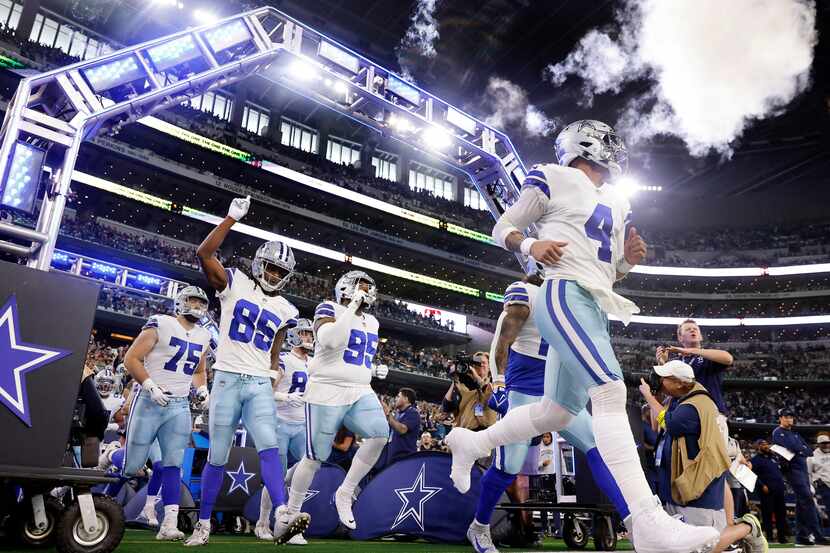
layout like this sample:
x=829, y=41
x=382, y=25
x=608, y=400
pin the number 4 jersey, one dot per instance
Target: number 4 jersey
x=249, y=323
x=592, y=221
x=173, y=360
x=342, y=375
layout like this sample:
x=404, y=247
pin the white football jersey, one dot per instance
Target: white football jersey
x=249, y=323
x=294, y=379
x=592, y=221
x=528, y=340
x=349, y=366
x=173, y=360
x=112, y=403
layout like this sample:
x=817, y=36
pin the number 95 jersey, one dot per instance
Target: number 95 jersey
x=173, y=360
x=249, y=323
x=348, y=366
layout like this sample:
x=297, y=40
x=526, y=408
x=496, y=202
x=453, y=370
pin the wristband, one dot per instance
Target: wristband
x=624, y=267
x=498, y=380
x=526, y=244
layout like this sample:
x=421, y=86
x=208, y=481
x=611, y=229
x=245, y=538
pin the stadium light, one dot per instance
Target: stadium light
x=114, y=73
x=401, y=124
x=340, y=87
x=175, y=52
x=228, y=35
x=627, y=186
x=205, y=17
x=302, y=71
x=23, y=177
x=436, y=138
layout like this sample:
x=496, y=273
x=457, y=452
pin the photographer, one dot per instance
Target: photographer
x=470, y=391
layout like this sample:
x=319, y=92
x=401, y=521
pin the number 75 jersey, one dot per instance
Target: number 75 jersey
x=248, y=326
x=349, y=365
x=173, y=360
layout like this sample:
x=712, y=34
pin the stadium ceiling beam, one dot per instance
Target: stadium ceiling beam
x=56, y=111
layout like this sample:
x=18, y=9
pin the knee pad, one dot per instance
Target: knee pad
x=608, y=399
x=549, y=416
x=371, y=448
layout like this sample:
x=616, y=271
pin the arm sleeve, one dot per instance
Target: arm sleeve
x=528, y=209
x=334, y=335
x=152, y=322
x=683, y=420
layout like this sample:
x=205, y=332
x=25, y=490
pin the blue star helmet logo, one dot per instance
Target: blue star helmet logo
x=239, y=479
x=17, y=358
x=413, y=500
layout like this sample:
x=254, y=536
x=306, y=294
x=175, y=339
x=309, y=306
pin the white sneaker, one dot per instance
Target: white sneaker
x=464, y=455
x=200, y=536
x=169, y=531
x=755, y=542
x=149, y=514
x=297, y=539
x=343, y=502
x=479, y=537
x=288, y=524
x=657, y=532
x=262, y=531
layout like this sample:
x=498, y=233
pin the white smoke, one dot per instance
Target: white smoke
x=716, y=66
x=507, y=107
x=420, y=37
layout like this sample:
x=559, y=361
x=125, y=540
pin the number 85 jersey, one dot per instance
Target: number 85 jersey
x=348, y=366
x=249, y=323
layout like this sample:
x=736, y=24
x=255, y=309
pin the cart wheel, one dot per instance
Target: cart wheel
x=605, y=538
x=30, y=535
x=72, y=537
x=574, y=532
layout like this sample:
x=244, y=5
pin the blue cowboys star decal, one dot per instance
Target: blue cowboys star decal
x=413, y=500
x=17, y=358
x=239, y=479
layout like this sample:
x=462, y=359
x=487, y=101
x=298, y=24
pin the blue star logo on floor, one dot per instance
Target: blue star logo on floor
x=239, y=479
x=17, y=358
x=413, y=500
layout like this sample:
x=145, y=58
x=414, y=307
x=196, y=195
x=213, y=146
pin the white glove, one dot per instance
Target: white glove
x=293, y=396
x=202, y=397
x=358, y=298
x=380, y=371
x=156, y=393
x=239, y=208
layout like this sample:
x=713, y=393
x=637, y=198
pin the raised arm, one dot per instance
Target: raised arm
x=333, y=332
x=206, y=252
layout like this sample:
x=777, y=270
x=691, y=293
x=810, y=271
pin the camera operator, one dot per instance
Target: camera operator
x=470, y=391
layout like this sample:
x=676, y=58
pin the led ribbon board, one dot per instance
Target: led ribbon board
x=218, y=147
x=249, y=230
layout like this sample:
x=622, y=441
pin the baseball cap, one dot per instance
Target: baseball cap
x=823, y=439
x=677, y=369
x=758, y=442
x=786, y=412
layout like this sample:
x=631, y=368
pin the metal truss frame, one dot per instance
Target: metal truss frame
x=60, y=109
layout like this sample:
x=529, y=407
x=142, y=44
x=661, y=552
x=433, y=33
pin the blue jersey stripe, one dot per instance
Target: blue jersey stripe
x=537, y=178
x=516, y=297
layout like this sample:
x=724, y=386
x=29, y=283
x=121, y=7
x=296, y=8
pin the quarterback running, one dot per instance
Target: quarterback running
x=586, y=244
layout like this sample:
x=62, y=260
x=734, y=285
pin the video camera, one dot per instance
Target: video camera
x=460, y=369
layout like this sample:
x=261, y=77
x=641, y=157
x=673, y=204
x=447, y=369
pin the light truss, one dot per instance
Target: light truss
x=60, y=109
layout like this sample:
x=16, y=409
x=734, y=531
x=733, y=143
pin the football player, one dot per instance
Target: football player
x=105, y=383
x=339, y=392
x=586, y=244
x=253, y=323
x=288, y=393
x=165, y=358
x=517, y=361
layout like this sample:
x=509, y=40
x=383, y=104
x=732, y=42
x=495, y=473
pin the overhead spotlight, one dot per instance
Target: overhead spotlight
x=401, y=124
x=436, y=138
x=204, y=16
x=628, y=186
x=340, y=87
x=302, y=70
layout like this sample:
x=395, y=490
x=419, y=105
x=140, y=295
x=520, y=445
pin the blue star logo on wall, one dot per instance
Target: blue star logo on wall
x=239, y=479
x=413, y=500
x=17, y=358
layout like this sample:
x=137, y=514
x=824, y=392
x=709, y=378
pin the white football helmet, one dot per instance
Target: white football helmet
x=274, y=253
x=347, y=284
x=294, y=338
x=105, y=382
x=182, y=306
x=594, y=141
